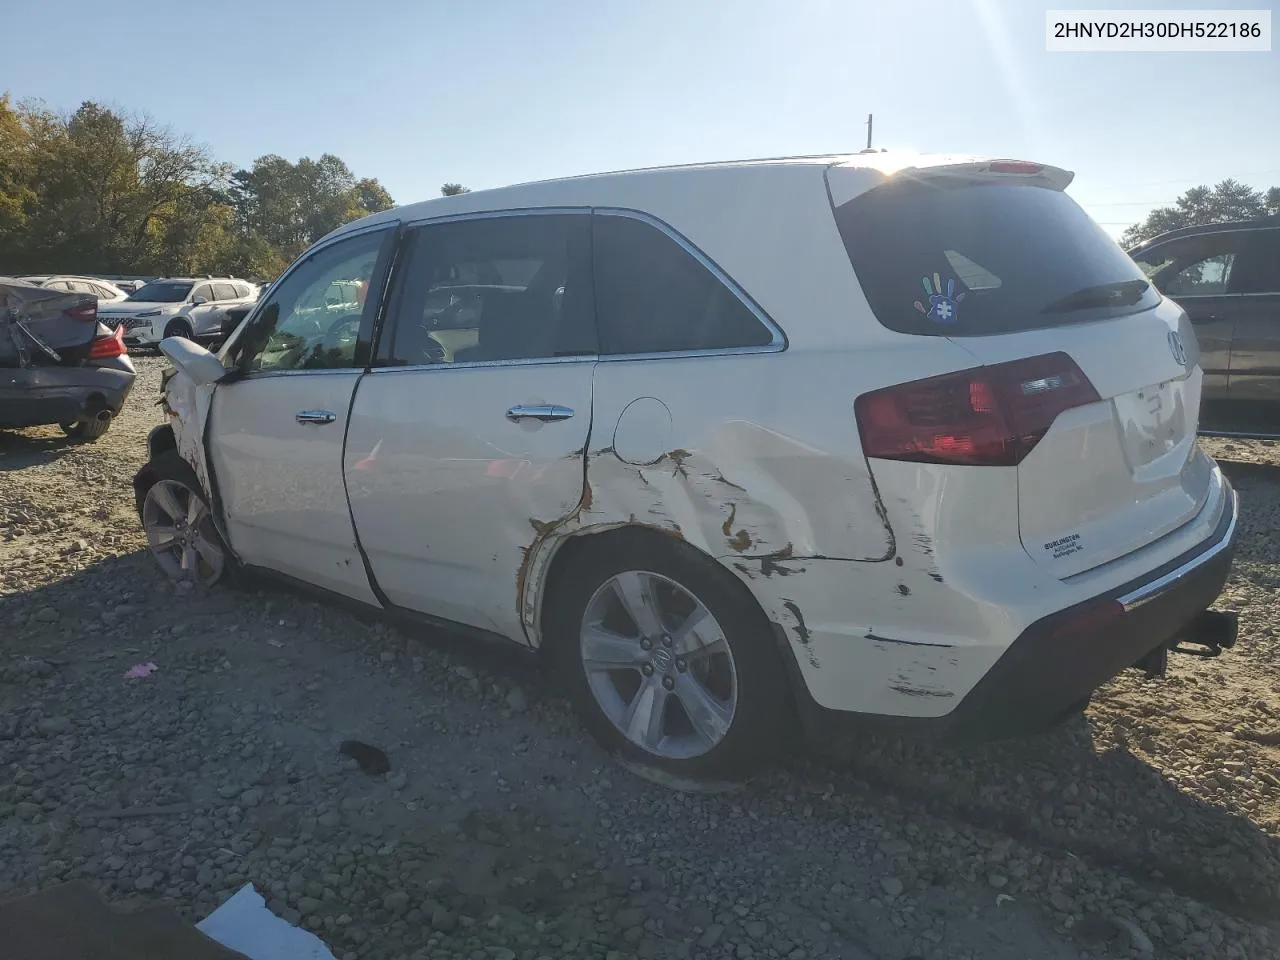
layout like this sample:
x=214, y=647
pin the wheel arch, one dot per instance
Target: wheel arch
x=562, y=551
x=155, y=468
x=160, y=441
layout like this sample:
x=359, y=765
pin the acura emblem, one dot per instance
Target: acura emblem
x=1176, y=348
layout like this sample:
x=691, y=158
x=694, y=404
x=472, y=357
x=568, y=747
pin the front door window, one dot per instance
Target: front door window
x=304, y=327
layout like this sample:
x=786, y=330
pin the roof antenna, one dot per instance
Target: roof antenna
x=869, y=148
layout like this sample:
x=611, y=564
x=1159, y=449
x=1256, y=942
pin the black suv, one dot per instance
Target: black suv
x=1227, y=277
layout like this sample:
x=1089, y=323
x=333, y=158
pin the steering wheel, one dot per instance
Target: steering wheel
x=342, y=333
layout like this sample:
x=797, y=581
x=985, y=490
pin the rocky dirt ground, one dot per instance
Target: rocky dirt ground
x=1148, y=827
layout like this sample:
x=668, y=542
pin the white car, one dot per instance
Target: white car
x=104, y=290
x=850, y=437
x=188, y=307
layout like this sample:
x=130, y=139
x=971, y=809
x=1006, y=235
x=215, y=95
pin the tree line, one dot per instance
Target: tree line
x=1203, y=205
x=98, y=191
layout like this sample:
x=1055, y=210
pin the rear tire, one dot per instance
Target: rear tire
x=709, y=701
x=85, y=431
x=179, y=328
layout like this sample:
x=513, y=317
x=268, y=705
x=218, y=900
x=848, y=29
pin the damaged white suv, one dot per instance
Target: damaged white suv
x=731, y=444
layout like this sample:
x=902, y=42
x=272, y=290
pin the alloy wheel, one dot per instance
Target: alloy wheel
x=180, y=530
x=659, y=665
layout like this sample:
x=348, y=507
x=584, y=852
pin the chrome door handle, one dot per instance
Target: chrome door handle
x=315, y=416
x=546, y=412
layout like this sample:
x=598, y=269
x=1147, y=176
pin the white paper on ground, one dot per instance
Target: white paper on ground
x=245, y=924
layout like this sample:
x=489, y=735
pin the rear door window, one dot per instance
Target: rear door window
x=494, y=289
x=1258, y=268
x=1198, y=266
x=224, y=291
x=654, y=296
x=973, y=258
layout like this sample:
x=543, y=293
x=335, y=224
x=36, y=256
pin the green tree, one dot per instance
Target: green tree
x=1229, y=200
x=453, y=189
x=291, y=205
x=100, y=191
x=17, y=160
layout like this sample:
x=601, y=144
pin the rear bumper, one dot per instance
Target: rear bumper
x=36, y=396
x=1059, y=660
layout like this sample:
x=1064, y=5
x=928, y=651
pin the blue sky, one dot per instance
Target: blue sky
x=490, y=92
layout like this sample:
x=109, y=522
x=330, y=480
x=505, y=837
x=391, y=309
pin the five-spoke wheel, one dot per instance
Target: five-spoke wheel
x=666, y=656
x=181, y=532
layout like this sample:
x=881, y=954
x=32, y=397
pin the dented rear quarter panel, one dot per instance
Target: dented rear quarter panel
x=758, y=464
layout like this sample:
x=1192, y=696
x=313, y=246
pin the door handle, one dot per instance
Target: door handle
x=546, y=412
x=315, y=416
x=1206, y=318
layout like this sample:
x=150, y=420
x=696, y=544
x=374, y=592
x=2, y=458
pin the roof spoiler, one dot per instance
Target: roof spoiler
x=905, y=167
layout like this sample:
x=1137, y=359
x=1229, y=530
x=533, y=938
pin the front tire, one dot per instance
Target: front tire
x=665, y=659
x=179, y=328
x=178, y=523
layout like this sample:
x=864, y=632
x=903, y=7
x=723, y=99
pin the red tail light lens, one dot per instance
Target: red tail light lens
x=1014, y=166
x=83, y=311
x=107, y=347
x=987, y=416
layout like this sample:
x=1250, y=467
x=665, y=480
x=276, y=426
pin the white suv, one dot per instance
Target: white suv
x=837, y=437
x=188, y=307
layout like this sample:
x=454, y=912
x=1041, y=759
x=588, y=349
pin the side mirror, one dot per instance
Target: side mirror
x=194, y=360
x=199, y=300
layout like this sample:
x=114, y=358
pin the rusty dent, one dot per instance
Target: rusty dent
x=748, y=495
x=801, y=630
x=678, y=457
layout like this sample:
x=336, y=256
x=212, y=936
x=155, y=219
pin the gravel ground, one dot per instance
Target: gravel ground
x=1146, y=828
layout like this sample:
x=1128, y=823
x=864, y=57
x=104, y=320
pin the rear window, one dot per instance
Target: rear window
x=965, y=258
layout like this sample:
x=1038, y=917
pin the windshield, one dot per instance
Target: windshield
x=162, y=292
x=970, y=259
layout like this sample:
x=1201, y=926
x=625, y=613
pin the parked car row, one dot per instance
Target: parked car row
x=733, y=445
x=103, y=290
x=190, y=307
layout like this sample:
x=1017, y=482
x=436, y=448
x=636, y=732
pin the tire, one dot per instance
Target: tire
x=724, y=744
x=85, y=431
x=175, y=515
x=179, y=328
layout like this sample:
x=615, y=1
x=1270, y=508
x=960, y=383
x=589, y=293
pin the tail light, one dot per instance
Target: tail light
x=987, y=416
x=84, y=311
x=112, y=345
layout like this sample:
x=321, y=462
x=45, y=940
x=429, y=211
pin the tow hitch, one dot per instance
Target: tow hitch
x=1207, y=635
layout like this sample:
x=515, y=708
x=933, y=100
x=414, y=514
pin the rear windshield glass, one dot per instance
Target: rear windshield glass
x=162, y=293
x=965, y=258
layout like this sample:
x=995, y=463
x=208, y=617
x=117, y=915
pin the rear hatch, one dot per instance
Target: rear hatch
x=1084, y=378
x=40, y=326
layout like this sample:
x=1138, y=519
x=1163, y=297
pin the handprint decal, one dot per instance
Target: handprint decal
x=943, y=307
